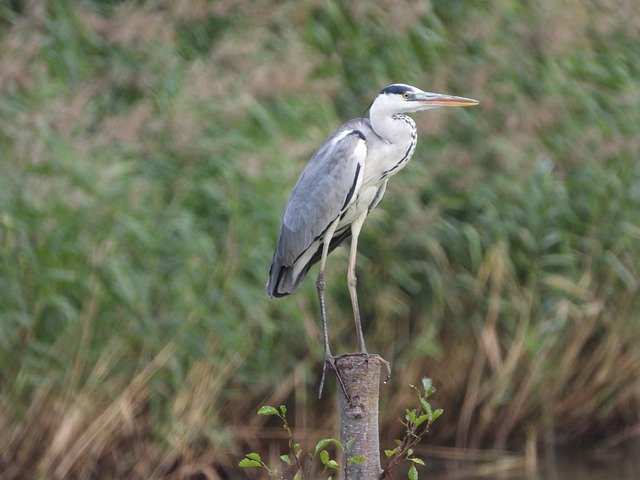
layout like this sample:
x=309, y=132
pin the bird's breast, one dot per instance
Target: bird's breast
x=390, y=146
x=360, y=205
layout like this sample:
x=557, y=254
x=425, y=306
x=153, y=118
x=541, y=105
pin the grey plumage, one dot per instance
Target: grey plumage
x=325, y=190
x=343, y=181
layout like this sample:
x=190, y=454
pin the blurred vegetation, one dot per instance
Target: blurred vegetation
x=147, y=150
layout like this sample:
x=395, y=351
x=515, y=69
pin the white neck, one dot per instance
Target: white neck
x=393, y=128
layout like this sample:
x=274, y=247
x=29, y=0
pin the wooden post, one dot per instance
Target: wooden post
x=360, y=374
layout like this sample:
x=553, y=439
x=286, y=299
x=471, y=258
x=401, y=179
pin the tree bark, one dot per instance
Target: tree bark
x=360, y=374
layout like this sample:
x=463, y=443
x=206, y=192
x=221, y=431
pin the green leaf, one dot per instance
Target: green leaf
x=421, y=419
x=411, y=415
x=267, y=410
x=350, y=443
x=283, y=410
x=409, y=452
x=254, y=456
x=426, y=406
x=436, y=414
x=357, y=459
x=337, y=444
x=429, y=389
x=419, y=461
x=390, y=453
x=246, y=462
x=285, y=458
x=321, y=444
x=298, y=475
x=326, y=441
x=412, y=474
x=427, y=383
x=324, y=458
x=332, y=464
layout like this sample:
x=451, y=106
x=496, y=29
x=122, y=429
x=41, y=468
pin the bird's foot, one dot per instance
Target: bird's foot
x=388, y=365
x=331, y=361
x=377, y=357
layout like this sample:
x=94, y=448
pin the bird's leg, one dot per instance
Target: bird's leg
x=320, y=285
x=328, y=358
x=356, y=226
x=323, y=312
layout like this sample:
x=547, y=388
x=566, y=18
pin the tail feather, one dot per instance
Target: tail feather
x=282, y=282
x=281, y=279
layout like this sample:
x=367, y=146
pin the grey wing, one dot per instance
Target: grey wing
x=326, y=187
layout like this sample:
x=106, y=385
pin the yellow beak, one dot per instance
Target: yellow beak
x=440, y=100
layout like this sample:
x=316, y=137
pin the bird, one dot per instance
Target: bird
x=341, y=184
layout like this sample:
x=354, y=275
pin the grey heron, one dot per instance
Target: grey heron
x=343, y=181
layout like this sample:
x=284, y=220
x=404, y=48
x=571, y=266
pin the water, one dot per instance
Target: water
x=623, y=465
x=574, y=465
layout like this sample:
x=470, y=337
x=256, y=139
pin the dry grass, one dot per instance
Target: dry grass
x=151, y=147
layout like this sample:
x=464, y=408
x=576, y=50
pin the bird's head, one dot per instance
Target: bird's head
x=401, y=98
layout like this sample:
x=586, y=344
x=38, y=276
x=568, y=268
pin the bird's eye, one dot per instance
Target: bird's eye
x=405, y=95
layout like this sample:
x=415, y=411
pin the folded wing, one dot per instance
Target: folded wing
x=328, y=185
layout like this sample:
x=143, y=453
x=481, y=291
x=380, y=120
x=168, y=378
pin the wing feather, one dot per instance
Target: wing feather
x=325, y=189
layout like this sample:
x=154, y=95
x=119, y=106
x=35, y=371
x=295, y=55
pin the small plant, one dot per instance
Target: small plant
x=294, y=460
x=416, y=423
